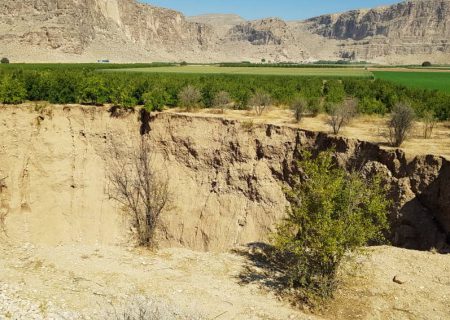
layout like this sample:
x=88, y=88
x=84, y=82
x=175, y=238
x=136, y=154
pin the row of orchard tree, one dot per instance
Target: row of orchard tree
x=122, y=89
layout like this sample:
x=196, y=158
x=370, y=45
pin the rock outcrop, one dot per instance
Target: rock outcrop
x=98, y=28
x=128, y=31
x=225, y=178
x=262, y=32
x=408, y=28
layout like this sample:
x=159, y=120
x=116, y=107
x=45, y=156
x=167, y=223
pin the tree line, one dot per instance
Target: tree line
x=96, y=87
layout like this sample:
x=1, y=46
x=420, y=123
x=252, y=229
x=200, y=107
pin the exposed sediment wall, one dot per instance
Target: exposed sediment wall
x=226, y=178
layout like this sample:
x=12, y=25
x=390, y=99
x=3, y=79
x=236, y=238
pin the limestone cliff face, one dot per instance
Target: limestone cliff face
x=225, y=178
x=418, y=19
x=72, y=26
x=129, y=31
x=262, y=32
x=409, y=28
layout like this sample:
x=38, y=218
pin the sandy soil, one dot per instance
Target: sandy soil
x=364, y=127
x=85, y=282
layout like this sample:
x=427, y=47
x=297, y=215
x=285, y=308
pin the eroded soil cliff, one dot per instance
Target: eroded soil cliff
x=226, y=178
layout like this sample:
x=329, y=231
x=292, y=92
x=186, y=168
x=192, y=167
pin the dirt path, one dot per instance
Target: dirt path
x=81, y=282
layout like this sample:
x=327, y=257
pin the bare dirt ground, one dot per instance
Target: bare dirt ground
x=86, y=282
x=364, y=127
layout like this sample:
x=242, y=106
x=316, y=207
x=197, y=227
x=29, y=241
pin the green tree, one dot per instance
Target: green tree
x=123, y=96
x=156, y=99
x=369, y=105
x=94, y=91
x=12, y=90
x=5, y=61
x=334, y=91
x=331, y=213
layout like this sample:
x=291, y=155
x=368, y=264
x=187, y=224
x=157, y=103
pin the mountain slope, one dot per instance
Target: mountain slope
x=409, y=28
x=128, y=31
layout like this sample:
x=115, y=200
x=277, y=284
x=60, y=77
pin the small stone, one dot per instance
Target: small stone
x=399, y=280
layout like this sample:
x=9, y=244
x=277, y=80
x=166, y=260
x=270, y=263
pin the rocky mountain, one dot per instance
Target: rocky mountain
x=217, y=19
x=419, y=27
x=124, y=29
x=262, y=32
x=129, y=31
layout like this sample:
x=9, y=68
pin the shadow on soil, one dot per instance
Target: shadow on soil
x=263, y=267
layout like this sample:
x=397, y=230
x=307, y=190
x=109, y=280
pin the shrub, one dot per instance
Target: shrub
x=334, y=91
x=429, y=122
x=299, y=106
x=331, y=213
x=12, y=91
x=4, y=61
x=156, y=99
x=189, y=97
x=183, y=63
x=260, y=101
x=123, y=96
x=400, y=124
x=370, y=106
x=94, y=91
x=341, y=114
x=426, y=64
x=222, y=100
x=314, y=106
x=138, y=186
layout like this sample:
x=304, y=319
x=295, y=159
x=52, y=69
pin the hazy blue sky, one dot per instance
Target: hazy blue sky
x=254, y=9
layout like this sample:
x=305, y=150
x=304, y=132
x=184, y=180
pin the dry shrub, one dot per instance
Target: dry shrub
x=141, y=308
x=259, y=102
x=189, y=97
x=138, y=186
x=429, y=122
x=222, y=100
x=400, y=124
x=341, y=114
x=299, y=106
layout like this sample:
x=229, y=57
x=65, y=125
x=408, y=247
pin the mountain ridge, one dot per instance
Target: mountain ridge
x=130, y=31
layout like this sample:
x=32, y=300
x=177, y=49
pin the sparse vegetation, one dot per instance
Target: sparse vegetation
x=299, y=106
x=189, y=97
x=429, y=122
x=138, y=186
x=400, y=124
x=341, y=114
x=332, y=213
x=140, y=308
x=259, y=101
x=222, y=100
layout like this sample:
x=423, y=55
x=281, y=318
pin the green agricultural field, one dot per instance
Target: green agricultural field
x=423, y=80
x=306, y=72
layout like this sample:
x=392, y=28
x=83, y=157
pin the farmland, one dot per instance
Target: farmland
x=433, y=80
x=328, y=72
x=158, y=85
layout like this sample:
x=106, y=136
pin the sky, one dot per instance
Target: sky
x=256, y=9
